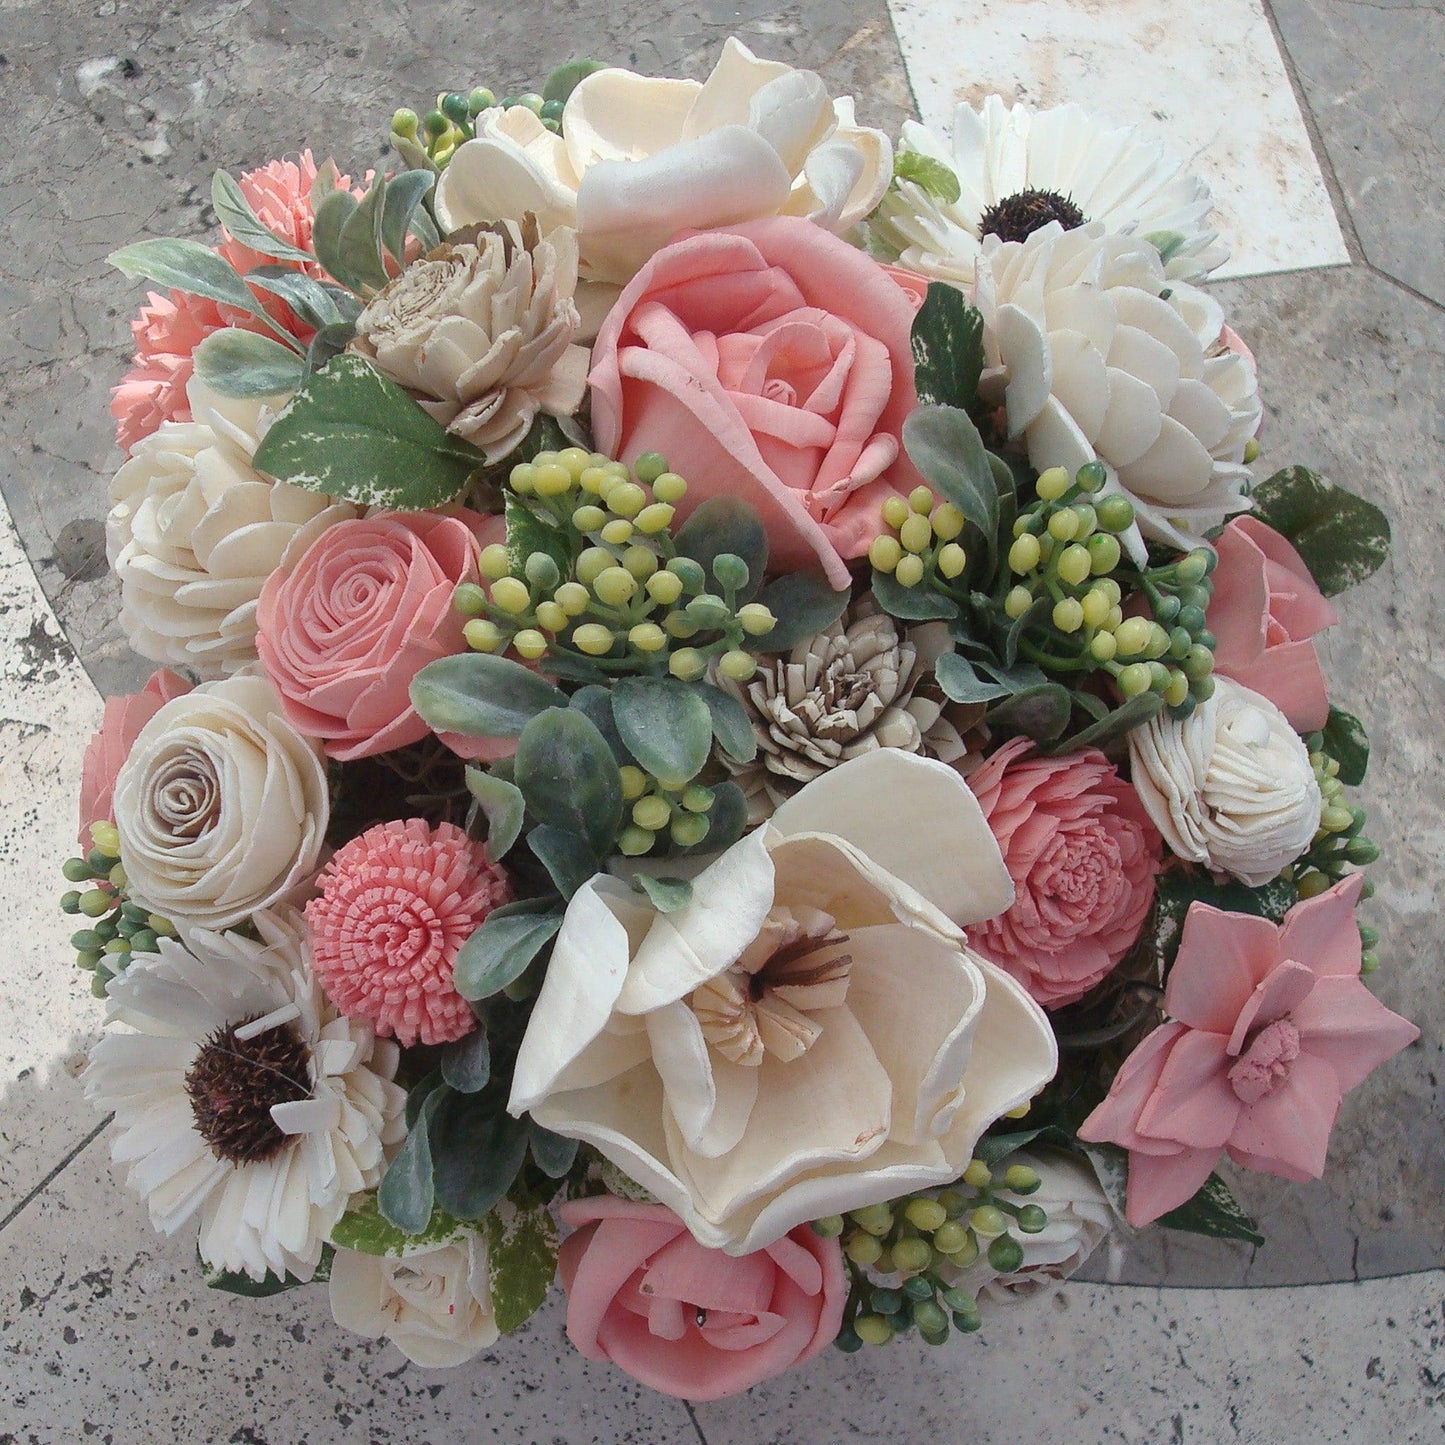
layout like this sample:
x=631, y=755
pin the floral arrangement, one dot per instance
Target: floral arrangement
x=729, y=693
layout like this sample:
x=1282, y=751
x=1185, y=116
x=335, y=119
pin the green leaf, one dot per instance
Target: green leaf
x=528, y=533
x=332, y=212
x=930, y=175
x=1214, y=1211
x=328, y=342
x=501, y=803
x=725, y=524
x=1114, y=724
x=351, y=432
x=1041, y=712
x=1341, y=537
x=1038, y=610
x=521, y=1260
x=947, y=349
x=414, y=155
x=568, y=860
x=317, y=305
x=365, y=1229
x=911, y=604
x=499, y=952
x=481, y=695
x=995, y=1148
x=407, y=1194
x=667, y=894
x=594, y=702
x=566, y=78
x=961, y=682
x=666, y=726
x=234, y=1282
x=404, y=193
x=946, y=448
x=727, y=819
x=359, y=243
x=554, y=1155
x=467, y=1063
x=235, y=214
x=569, y=777
x=805, y=604
x=1167, y=243
x=1177, y=889
x=1111, y=1168
x=1346, y=741
x=185, y=266
x=732, y=729
x=478, y=1149
x=243, y=363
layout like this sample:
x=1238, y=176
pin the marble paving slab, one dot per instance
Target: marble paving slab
x=1207, y=80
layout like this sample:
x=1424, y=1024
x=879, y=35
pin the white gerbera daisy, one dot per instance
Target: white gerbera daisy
x=243, y=1097
x=1017, y=169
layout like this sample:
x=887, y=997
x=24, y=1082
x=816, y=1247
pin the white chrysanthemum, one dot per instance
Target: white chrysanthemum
x=194, y=531
x=242, y=1098
x=1095, y=355
x=1006, y=151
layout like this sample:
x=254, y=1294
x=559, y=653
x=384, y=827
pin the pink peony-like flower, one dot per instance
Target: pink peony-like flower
x=1083, y=856
x=396, y=905
x=105, y=754
x=280, y=194
x=343, y=631
x=689, y=1321
x=1271, y=1028
x=771, y=362
x=1265, y=612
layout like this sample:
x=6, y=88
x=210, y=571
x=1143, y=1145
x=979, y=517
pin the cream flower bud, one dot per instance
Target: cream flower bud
x=1230, y=786
x=194, y=531
x=221, y=806
x=435, y=1305
x=485, y=329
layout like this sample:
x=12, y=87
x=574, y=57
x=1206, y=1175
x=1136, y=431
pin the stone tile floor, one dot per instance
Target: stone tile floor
x=114, y=112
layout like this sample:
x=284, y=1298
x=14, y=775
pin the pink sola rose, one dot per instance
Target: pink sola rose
x=1082, y=854
x=1265, y=612
x=1271, y=1028
x=690, y=1321
x=772, y=362
x=105, y=754
x=396, y=905
x=344, y=630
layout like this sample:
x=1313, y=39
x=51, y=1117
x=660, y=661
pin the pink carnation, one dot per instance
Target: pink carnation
x=1082, y=854
x=1272, y=1027
x=691, y=1321
x=105, y=755
x=343, y=632
x=396, y=905
x=280, y=194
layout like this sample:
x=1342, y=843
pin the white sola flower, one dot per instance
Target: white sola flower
x=1097, y=356
x=1017, y=169
x=242, y=1098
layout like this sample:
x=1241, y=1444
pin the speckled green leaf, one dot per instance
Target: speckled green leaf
x=1349, y=745
x=1342, y=538
x=365, y=1229
x=1214, y=1211
x=231, y=1282
x=1178, y=889
x=522, y=1260
x=947, y=346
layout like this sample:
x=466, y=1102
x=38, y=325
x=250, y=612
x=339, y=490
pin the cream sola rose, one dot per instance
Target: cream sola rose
x=1095, y=355
x=1018, y=168
x=194, y=531
x=811, y=1034
x=640, y=159
x=242, y=1098
x=221, y=806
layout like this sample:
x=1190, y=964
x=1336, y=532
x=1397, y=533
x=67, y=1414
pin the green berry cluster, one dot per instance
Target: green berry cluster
x=1066, y=553
x=681, y=814
x=610, y=589
x=913, y=1238
x=453, y=120
x=117, y=927
x=920, y=546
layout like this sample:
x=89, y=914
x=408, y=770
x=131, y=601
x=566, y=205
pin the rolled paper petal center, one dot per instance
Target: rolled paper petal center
x=768, y=1002
x=1265, y=1064
x=185, y=795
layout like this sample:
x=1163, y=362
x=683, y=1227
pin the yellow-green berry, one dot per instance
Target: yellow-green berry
x=493, y=562
x=481, y=635
x=552, y=480
x=669, y=487
x=1133, y=635
x=593, y=480
x=573, y=598
x=1021, y=1179
x=978, y=1175
x=575, y=459
x=589, y=518
x=1103, y=646
x=1068, y=615
x=916, y=534
x=1018, y=601
x=647, y=637
x=925, y=1214
x=1064, y=526
x=698, y=799
x=865, y=1250
x=655, y=518
x=594, y=639
x=1135, y=679
x=737, y=666
x=909, y=571
x=756, y=619
x=523, y=478
x=873, y=1329
x=1053, y=483
x=947, y=522
x=530, y=643
x=634, y=781
x=885, y=552
x=618, y=531
x=896, y=512
x=614, y=586
x=649, y=467
x=988, y=1219
x=551, y=616
x=687, y=663
x=1074, y=564
x=633, y=841
x=627, y=499
x=952, y=559
x=664, y=587
x=469, y=600
x=688, y=830
x=651, y=812
x=592, y=563
x=1023, y=556
x=511, y=594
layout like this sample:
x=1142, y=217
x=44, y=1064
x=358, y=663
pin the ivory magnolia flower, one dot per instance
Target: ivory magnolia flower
x=1230, y=786
x=811, y=1033
x=221, y=805
x=434, y=1305
x=640, y=159
x=1096, y=355
x=1004, y=154
x=194, y=531
x=242, y=1097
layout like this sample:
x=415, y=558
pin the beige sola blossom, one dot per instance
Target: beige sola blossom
x=863, y=683
x=482, y=328
x=811, y=1034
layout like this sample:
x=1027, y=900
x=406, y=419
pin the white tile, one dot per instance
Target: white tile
x=48, y=709
x=1207, y=80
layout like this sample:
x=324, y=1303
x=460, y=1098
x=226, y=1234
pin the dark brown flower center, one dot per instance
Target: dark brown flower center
x=233, y=1082
x=1017, y=217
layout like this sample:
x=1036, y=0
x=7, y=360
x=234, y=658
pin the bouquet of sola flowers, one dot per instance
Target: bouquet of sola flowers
x=728, y=694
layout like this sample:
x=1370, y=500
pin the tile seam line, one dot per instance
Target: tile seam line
x=692, y=1415
x=56, y=1172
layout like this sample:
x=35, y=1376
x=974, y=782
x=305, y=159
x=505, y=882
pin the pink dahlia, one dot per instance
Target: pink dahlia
x=396, y=905
x=1082, y=854
x=1270, y=1028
